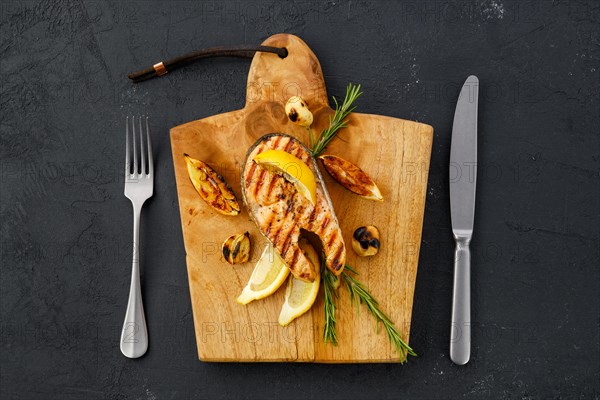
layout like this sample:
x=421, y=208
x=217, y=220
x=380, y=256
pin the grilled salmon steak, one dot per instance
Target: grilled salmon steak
x=280, y=211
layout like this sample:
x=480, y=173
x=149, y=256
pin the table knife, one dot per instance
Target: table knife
x=463, y=178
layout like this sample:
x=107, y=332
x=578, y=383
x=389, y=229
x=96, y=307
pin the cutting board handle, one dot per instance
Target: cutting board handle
x=275, y=79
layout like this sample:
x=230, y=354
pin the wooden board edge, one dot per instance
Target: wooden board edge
x=429, y=145
x=427, y=129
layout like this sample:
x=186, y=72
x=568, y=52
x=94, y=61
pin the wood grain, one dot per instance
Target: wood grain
x=394, y=152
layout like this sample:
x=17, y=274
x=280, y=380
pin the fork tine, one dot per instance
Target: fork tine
x=142, y=152
x=150, y=160
x=127, y=160
x=135, y=147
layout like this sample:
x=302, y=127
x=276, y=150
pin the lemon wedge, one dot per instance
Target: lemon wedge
x=300, y=295
x=292, y=168
x=269, y=273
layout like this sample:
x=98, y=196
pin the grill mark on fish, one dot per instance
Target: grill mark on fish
x=295, y=255
x=265, y=188
x=276, y=141
x=297, y=151
x=286, y=243
x=253, y=165
x=283, y=143
x=299, y=215
x=259, y=181
x=332, y=238
x=269, y=224
x=302, y=154
x=288, y=231
x=274, y=239
x=270, y=186
x=282, y=223
x=312, y=216
x=321, y=219
x=250, y=174
x=290, y=206
x=336, y=258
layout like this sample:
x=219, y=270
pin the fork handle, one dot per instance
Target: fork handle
x=460, y=336
x=134, y=335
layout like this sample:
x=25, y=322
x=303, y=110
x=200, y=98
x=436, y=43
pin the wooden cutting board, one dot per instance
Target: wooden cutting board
x=393, y=151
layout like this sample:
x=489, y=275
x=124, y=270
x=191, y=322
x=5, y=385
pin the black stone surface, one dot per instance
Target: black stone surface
x=66, y=225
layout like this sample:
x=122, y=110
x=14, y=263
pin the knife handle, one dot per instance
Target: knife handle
x=460, y=330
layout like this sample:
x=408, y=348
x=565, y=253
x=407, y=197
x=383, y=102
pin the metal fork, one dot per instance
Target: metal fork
x=139, y=186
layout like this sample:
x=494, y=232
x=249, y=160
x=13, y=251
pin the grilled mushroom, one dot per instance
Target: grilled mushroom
x=298, y=112
x=365, y=241
x=236, y=249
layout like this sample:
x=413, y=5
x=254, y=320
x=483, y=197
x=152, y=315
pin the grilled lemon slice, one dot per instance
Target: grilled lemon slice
x=291, y=168
x=300, y=295
x=212, y=187
x=269, y=273
x=351, y=177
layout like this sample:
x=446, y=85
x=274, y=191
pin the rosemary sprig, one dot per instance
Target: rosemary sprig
x=338, y=121
x=329, y=289
x=359, y=293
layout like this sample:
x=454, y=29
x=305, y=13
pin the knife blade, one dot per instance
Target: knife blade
x=463, y=179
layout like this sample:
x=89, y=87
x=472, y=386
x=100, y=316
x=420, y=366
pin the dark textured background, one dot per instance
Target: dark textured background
x=66, y=226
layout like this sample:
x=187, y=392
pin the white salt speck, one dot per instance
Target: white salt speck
x=150, y=395
x=493, y=9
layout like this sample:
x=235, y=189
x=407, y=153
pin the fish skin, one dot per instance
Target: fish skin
x=280, y=211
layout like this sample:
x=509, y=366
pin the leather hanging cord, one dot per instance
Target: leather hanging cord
x=243, y=51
